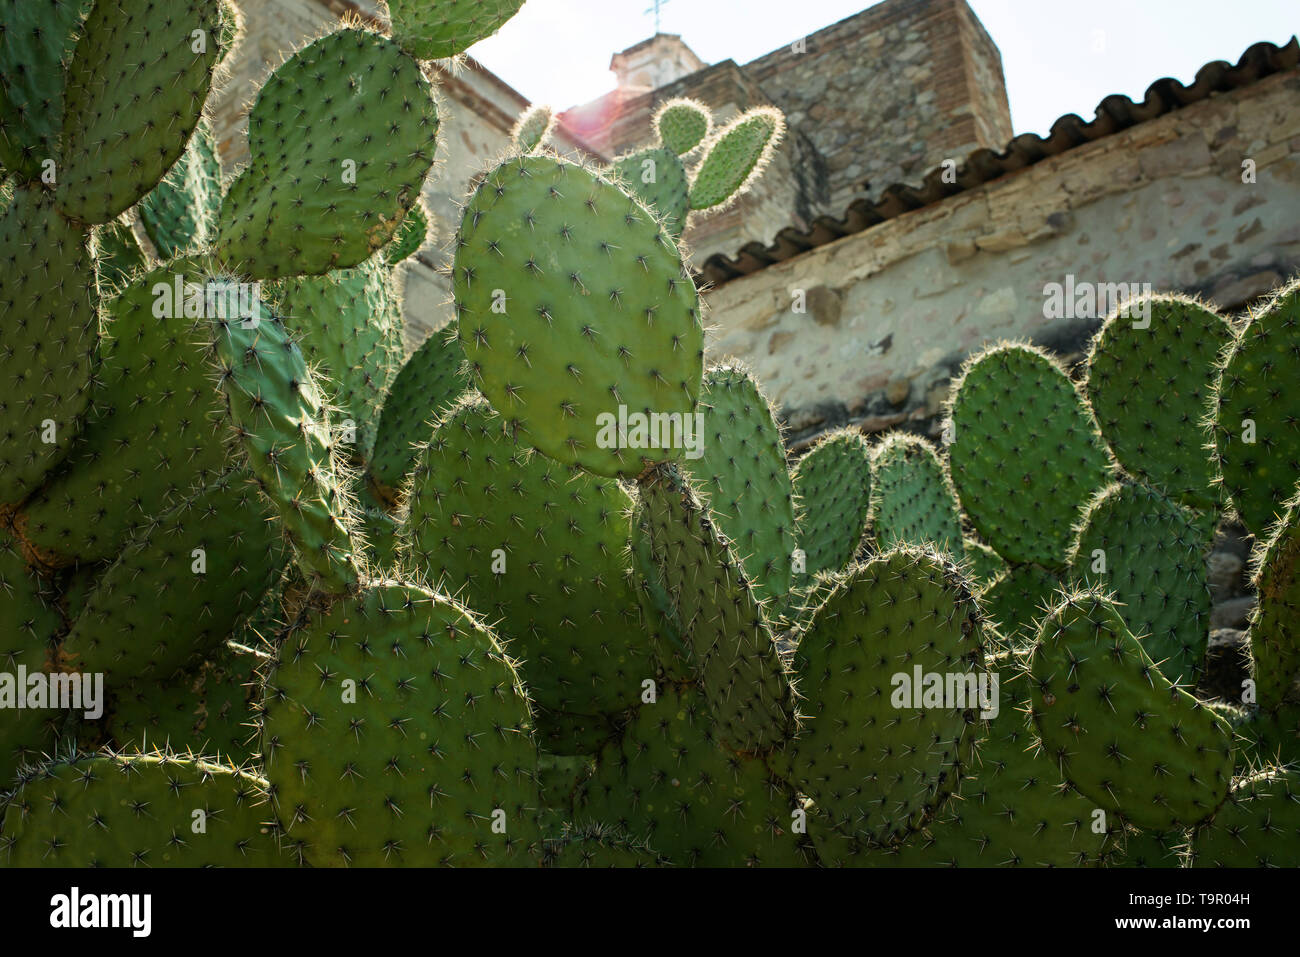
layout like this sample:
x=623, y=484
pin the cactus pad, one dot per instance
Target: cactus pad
x=1115, y=726
x=683, y=124
x=1275, y=625
x=658, y=179
x=912, y=499
x=1026, y=457
x=736, y=156
x=432, y=31
x=342, y=135
x=1256, y=443
x=832, y=485
x=877, y=766
x=574, y=306
x=181, y=213
x=396, y=732
x=1151, y=389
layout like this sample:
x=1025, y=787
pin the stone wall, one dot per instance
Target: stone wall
x=889, y=93
x=891, y=311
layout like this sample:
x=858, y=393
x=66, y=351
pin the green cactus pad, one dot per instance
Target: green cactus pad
x=1268, y=736
x=1115, y=726
x=118, y=256
x=36, y=46
x=658, y=617
x=341, y=138
x=1014, y=811
x=1256, y=392
x=152, y=439
x=912, y=500
x=431, y=381
x=31, y=624
x=658, y=179
x=982, y=563
x=48, y=355
x=181, y=213
x=410, y=237
x=150, y=810
x=208, y=711
x=179, y=587
x=1026, y=456
x=1150, y=848
x=598, y=845
x=1151, y=380
x=743, y=478
x=832, y=485
x=533, y=128
x=1258, y=826
x=136, y=86
x=1275, y=624
x=432, y=31
x=718, y=614
x=541, y=551
x=671, y=783
x=1148, y=553
x=574, y=305
x=1018, y=599
x=683, y=124
x=280, y=426
x=736, y=156
x=395, y=732
x=348, y=325
x=880, y=771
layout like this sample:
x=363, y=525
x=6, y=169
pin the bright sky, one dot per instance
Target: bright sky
x=1059, y=56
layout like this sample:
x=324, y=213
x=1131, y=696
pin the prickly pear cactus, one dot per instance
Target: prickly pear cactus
x=130, y=67
x=832, y=486
x=396, y=732
x=39, y=40
x=48, y=291
x=598, y=845
x=1148, y=552
x=540, y=550
x=410, y=237
x=1117, y=728
x=587, y=338
x=31, y=624
x=180, y=215
x=431, y=31
x=337, y=91
x=891, y=629
x=742, y=477
x=158, y=809
x=1017, y=599
x=1014, y=810
x=669, y=782
x=180, y=587
x=533, y=128
x=1026, y=456
x=1255, y=442
x=718, y=614
x=683, y=124
x=430, y=382
x=1151, y=376
x=736, y=156
x=1258, y=826
x=1275, y=624
x=657, y=177
x=912, y=499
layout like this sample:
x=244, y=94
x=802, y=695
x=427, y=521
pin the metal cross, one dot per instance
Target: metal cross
x=655, y=9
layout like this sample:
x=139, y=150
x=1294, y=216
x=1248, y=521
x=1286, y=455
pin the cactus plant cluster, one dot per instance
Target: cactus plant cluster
x=550, y=591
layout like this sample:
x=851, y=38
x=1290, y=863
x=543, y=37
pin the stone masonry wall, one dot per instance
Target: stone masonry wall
x=889, y=93
x=892, y=311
